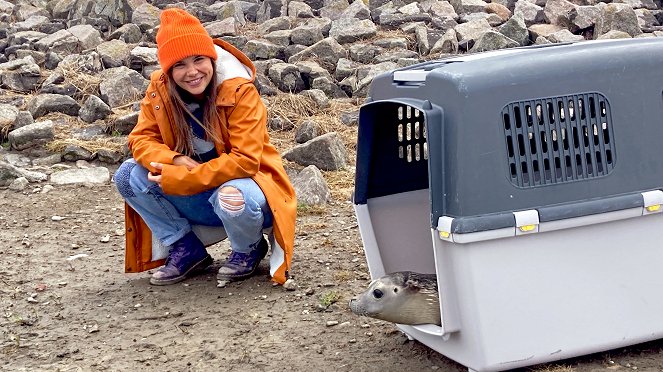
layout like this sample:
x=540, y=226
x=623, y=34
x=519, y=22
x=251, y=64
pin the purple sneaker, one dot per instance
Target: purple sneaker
x=243, y=265
x=186, y=257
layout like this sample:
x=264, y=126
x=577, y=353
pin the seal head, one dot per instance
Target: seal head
x=403, y=297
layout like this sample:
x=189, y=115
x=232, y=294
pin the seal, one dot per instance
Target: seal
x=403, y=297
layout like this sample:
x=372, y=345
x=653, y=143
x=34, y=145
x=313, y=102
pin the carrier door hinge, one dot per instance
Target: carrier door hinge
x=527, y=222
x=652, y=202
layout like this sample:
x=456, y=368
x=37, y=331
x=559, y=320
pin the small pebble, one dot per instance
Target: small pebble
x=353, y=340
x=57, y=218
x=105, y=238
x=46, y=189
x=221, y=283
x=290, y=285
x=138, y=305
x=331, y=323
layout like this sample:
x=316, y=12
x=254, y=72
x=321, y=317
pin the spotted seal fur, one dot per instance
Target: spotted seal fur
x=403, y=297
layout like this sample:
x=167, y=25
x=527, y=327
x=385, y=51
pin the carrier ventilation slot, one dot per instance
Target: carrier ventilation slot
x=558, y=139
x=411, y=134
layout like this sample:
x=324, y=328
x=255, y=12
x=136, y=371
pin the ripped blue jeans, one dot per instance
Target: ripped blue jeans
x=170, y=217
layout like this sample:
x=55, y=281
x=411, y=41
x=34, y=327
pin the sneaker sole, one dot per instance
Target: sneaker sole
x=199, y=266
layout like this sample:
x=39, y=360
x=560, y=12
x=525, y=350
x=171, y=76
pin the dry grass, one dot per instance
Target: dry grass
x=112, y=144
x=297, y=109
x=85, y=83
x=554, y=369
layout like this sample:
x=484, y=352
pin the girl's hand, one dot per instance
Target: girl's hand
x=155, y=177
x=185, y=161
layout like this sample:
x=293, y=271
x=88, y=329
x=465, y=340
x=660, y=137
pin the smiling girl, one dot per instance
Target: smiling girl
x=201, y=155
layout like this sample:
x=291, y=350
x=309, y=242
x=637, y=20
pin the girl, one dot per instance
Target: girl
x=201, y=155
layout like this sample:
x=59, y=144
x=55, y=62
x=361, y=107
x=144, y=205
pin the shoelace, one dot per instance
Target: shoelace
x=176, y=253
x=237, y=258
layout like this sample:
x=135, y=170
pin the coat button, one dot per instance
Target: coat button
x=154, y=95
x=157, y=107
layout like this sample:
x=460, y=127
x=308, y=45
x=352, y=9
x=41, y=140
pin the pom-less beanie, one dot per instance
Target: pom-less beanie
x=181, y=35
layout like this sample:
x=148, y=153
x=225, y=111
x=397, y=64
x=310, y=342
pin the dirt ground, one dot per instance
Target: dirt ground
x=86, y=314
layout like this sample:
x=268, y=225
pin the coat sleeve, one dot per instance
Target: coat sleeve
x=247, y=134
x=146, y=141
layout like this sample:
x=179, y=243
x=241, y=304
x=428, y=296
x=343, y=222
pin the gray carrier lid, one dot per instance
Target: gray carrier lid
x=518, y=129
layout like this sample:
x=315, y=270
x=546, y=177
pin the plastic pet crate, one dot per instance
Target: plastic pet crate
x=529, y=180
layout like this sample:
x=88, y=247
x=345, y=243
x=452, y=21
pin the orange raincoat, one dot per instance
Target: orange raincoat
x=246, y=153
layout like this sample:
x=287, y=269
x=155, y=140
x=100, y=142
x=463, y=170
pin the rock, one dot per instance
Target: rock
x=290, y=285
x=75, y=152
x=616, y=16
x=8, y=114
x=318, y=97
x=493, y=40
x=139, y=57
x=128, y=33
x=124, y=124
x=311, y=187
x=9, y=173
x=22, y=75
x=326, y=152
x=98, y=175
x=279, y=123
x=306, y=131
x=94, y=109
x=113, y=53
x=326, y=52
x=43, y=104
x=348, y=30
x=31, y=135
x=19, y=184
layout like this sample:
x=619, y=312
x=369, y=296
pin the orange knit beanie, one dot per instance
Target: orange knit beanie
x=181, y=35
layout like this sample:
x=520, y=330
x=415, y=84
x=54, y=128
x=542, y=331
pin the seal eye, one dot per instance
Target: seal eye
x=395, y=290
x=377, y=293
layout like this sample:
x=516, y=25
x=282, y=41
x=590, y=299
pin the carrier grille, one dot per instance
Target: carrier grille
x=411, y=134
x=558, y=139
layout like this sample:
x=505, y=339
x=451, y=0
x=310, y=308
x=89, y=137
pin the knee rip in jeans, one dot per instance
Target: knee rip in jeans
x=231, y=200
x=122, y=177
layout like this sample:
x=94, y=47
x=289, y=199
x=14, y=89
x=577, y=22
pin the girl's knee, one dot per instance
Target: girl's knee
x=122, y=179
x=231, y=200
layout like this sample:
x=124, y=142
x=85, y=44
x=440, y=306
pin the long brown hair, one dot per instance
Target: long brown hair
x=213, y=126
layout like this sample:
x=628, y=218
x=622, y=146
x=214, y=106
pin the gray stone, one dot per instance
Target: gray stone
x=145, y=16
x=345, y=68
x=279, y=37
x=348, y=30
x=121, y=85
x=47, y=160
x=391, y=43
x=472, y=30
x=8, y=173
x=396, y=20
x=113, y=53
x=468, y=6
x=93, y=109
x=19, y=184
x=333, y=9
x=61, y=42
x=614, y=16
x=8, y=114
x=262, y=49
x=271, y=9
x=87, y=36
x=326, y=152
x=543, y=30
x=448, y=43
x=515, y=29
x=299, y=9
x=75, y=152
x=318, y=97
x=124, y=124
x=311, y=70
x=140, y=57
x=31, y=135
x=306, y=35
x=97, y=175
x=278, y=23
x=265, y=86
x=493, y=40
x=25, y=37
x=531, y=12
x=280, y=123
x=564, y=36
x=22, y=119
x=109, y=156
x=356, y=10
x=43, y=104
x=310, y=187
x=17, y=160
x=614, y=34
x=21, y=75
x=129, y=33
x=307, y=131
x=286, y=77
x=225, y=27
x=326, y=52
x=329, y=87
x=32, y=23
x=39, y=57
x=89, y=63
x=350, y=119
